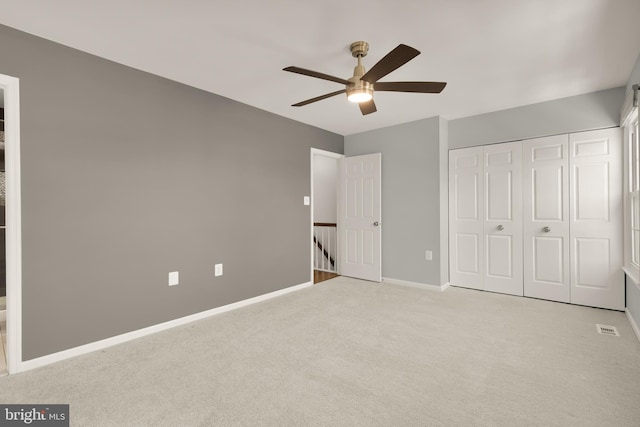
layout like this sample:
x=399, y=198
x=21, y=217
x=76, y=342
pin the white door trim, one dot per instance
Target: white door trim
x=317, y=152
x=11, y=86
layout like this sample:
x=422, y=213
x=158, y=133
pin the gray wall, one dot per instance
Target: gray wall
x=414, y=170
x=574, y=114
x=444, y=200
x=410, y=196
x=127, y=176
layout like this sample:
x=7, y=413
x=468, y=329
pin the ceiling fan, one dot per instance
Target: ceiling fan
x=360, y=87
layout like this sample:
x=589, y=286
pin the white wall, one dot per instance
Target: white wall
x=325, y=181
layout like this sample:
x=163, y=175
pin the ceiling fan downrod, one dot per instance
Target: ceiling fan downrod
x=359, y=90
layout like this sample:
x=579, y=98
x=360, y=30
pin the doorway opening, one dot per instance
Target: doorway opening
x=324, y=213
x=11, y=226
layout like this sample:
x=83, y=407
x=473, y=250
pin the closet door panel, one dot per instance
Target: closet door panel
x=503, y=218
x=546, y=218
x=548, y=260
x=547, y=183
x=596, y=219
x=466, y=252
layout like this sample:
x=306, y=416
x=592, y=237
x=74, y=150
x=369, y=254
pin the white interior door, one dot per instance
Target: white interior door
x=596, y=219
x=466, y=204
x=359, y=217
x=546, y=218
x=503, y=218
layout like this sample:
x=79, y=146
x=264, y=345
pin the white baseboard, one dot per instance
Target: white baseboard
x=119, y=339
x=438, y=288
x=634, y=325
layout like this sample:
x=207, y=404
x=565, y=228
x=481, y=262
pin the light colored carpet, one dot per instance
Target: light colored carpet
x=348, y=352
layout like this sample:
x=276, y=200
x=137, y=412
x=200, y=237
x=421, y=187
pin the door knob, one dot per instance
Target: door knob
x=546, y=229
x=500, y=227
x=375, y=224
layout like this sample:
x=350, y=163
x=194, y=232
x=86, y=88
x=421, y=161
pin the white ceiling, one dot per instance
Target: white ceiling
x=494, y=54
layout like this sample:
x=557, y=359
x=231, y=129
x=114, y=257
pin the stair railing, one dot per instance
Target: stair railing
x=326, y=244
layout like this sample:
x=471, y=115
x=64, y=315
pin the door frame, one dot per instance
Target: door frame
x=330, y=154
x=11, y=87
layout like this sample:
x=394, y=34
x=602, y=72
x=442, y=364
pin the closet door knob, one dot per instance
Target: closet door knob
x=500, y=227
x=546, y=229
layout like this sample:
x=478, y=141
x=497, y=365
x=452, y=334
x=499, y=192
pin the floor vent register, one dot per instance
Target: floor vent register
x=607, y=330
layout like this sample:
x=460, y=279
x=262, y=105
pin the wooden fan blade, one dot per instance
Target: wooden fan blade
x=367, y=107
x=316, y=74
x=418, y=87
x=319, y=98
x=392, y=61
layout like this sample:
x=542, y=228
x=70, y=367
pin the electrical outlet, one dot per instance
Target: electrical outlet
x=174, y=278
x=306, y=200
x=428, y=255
x=218, y=270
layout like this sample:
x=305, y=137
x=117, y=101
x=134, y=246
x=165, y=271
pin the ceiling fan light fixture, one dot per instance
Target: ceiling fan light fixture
x=359, y=96
x=360, y=91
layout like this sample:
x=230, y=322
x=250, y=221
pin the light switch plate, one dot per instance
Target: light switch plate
x=428, y=255
x=307, y=200
x=174, y=278
x=218, y=270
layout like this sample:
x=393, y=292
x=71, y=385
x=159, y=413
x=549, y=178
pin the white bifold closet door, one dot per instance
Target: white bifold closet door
x=466, y=225
x=546, y=218
x=572, y=198
x=503, y=218
x=541, y=217
x=485, y=235
x=595, y=162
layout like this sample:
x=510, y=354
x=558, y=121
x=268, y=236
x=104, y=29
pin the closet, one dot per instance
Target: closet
x=540, y=218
